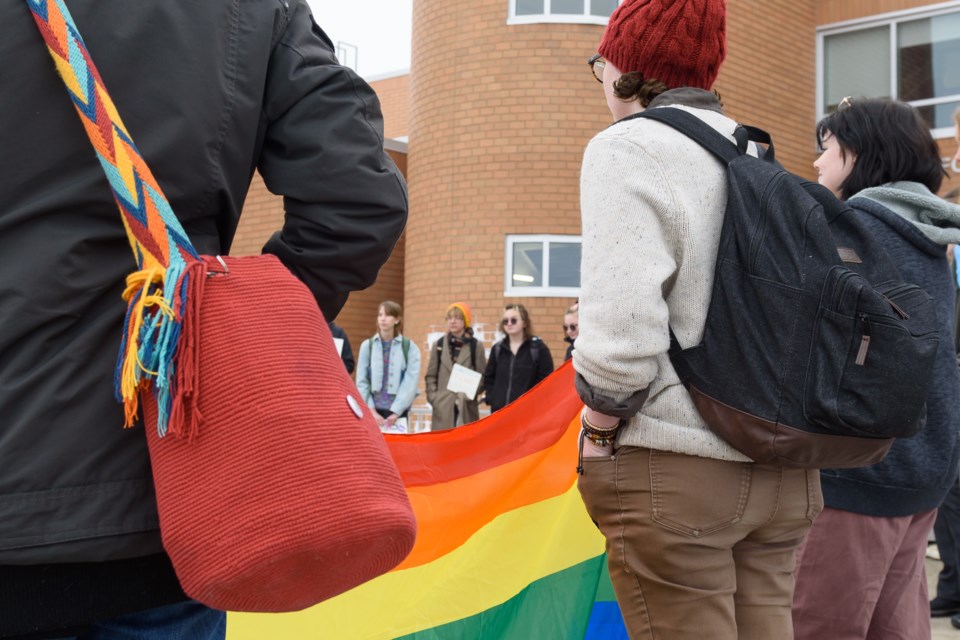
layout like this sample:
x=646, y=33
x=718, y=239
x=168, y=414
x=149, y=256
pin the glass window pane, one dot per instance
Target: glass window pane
x=856, y=64
x=603, y=8
x=929, y=53
x=940, y=115
x=567, y=7
x=564, y=264
x=529, y=7
x=527, y=264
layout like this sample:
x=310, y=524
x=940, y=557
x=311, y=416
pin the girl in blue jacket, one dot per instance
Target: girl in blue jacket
x=389, y=395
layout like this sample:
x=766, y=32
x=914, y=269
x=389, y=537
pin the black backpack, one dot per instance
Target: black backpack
x=814, y=355
x=535, y=343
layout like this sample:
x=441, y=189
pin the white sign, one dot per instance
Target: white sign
x=465, y=381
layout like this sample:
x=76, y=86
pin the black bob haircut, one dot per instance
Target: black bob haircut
x=889, y=140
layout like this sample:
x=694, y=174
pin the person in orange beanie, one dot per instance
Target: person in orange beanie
x=457, y=347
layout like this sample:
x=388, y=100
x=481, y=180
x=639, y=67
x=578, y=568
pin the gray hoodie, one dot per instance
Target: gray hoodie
x=914, y=226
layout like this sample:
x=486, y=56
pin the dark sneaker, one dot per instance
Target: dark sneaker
x=941, y=608
x=955, y=621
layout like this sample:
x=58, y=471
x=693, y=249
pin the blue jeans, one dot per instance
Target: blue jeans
x=182, y=621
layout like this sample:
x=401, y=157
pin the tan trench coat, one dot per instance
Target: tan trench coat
x=438, y=374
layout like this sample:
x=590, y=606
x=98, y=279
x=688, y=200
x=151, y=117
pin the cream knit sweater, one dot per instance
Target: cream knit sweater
x=652, y=203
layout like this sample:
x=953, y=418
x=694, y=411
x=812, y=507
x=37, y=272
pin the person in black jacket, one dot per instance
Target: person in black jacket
x=518, y=362
x=571, y=328
x=346, y=351
x=210, y=91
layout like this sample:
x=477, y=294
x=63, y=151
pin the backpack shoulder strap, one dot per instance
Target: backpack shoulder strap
x=473, y=353
x=535, y=350
x=405, y=344
x=701, y=133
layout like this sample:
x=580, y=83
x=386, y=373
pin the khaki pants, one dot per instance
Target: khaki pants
x=700, y=548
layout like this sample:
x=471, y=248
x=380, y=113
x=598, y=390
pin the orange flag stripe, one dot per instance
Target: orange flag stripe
x=449, y=514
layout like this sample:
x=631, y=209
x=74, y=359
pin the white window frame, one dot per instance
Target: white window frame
x=546, y=291
x=891, y=20
x=548, y=16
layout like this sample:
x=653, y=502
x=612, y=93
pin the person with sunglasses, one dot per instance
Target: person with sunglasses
x=517, y=362
x=571, y=328
x=701, y=540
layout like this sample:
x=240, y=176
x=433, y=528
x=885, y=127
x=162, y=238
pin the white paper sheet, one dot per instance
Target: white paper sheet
x=465, y=381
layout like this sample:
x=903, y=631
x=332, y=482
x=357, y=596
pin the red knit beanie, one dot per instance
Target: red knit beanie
x=678, y=42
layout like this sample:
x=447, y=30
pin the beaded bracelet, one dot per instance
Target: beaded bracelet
x=596, y=435
x=598, y=440
x=589, y=427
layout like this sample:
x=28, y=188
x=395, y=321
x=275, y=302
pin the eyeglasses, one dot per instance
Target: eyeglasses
x=507, y=321
x=597, y=63
x=569, y=327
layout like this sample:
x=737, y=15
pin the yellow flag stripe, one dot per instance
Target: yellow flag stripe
x=499, y=561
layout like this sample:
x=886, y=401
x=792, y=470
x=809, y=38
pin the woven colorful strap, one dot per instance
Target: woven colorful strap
x=157, y=292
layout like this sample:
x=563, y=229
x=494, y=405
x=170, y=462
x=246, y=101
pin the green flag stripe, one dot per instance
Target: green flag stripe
x=556, y=607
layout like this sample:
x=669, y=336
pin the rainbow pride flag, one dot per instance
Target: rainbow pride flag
x=505, y=549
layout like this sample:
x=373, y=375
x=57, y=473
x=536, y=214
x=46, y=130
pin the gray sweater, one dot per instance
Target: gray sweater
x=652, y=202
x=913, y=225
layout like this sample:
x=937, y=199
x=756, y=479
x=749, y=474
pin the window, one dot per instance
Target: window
x=910, y=56
x=585, y=11
x=542, y=266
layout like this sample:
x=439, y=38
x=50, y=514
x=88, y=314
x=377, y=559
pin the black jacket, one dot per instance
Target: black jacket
x=210, y=91
x=346, y=353
x=508, y=376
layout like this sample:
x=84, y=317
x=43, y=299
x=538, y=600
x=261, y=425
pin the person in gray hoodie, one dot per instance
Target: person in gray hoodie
x=861, y=570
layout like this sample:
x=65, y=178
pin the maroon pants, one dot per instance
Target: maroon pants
x=863, y=578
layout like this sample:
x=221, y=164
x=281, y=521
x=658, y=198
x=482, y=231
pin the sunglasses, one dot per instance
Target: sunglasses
x=507, y=321
x=569, y=327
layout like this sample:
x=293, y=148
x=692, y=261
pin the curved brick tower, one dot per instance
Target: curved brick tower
x=499, y=117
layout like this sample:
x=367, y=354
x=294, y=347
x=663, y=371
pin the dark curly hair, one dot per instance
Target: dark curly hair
x=632, y=86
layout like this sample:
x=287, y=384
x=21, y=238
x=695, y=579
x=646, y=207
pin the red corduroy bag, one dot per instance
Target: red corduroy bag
x=274, y=486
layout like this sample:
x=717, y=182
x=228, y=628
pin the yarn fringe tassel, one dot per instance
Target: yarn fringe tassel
x=159, y=350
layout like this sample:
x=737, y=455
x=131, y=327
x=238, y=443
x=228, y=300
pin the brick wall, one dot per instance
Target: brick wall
x=394, y=94
x=769, y=76
x=497, y=118
x=830, y=11
x=263, y=214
